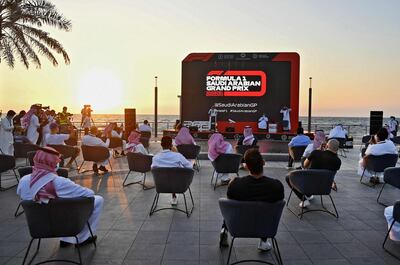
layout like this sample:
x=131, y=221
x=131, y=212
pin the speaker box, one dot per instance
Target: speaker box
x=375, y=121
x=130, y=121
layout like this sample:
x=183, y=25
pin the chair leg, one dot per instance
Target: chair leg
x=212, y=176
x=126, y=177
x=302, y=208
x=362, y=175
x=91, y=233
x=79, y=169
x=79, y=251
x=290, y=195
x=109, y=162
x=186, y=209
x=334, y=207
x=191, y=197
x=377, y=199
x=277, y=252
x=16, y=176
x=230, y=251
x=216, y=181
x=27, y=251
x=384, y=241
x=154, y=205
x=16, y=214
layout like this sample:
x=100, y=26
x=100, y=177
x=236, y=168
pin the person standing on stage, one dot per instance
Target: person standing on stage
x=286, y=118
x=6, y=134
x=263, y=122
x=213, y=118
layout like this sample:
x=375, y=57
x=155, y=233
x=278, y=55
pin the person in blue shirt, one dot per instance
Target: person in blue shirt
x=299, y=140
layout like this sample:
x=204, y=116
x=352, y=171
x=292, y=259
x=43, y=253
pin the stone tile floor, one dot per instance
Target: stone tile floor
x=127, y=235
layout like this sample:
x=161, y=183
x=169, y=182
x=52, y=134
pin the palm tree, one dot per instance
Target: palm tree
x=21, y=36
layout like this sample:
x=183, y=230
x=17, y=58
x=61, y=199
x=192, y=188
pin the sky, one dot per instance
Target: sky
x=350, y=48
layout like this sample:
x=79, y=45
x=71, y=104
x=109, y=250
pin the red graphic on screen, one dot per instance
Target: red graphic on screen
x=256, y=87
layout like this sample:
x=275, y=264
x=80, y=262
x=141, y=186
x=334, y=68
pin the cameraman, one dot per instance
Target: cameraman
x=64, y=120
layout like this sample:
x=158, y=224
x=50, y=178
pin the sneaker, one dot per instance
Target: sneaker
x=225, y=181
x=310, y=198
x=223, y=238
x=95, y=169
x=304, y=204
x=103, y=168
x=174, y=201
x=264, y=245
x=289, y=167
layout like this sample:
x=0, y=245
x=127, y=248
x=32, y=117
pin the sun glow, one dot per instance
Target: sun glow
x=102, y=89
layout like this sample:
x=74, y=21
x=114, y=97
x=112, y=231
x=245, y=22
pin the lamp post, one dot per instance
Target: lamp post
x=155, y=107
x=309, y=105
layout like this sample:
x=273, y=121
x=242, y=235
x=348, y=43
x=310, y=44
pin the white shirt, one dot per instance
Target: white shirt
x=337, y=132
x=213, y=112
x=91, y=140
x=139, y=148
x=381, y=148
x=64, y=187
x=167, y=158
x=308, y=150
x=392, y=125
x=56, y=139
x=144, y=128
x=286, y=114
x=262, y=122
x=32, y=133
x=6, y=136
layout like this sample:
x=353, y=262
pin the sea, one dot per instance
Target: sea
x=356, y=126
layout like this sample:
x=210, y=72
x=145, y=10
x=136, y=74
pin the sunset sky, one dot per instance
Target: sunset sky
x=350, y=48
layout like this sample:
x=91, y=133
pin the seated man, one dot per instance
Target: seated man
x=247, y=138
x=255, y=187
x=338, y=132
x=58, y=139
x=379, y=145
x=395, y=232
x=145, y=127
x=44, y=184
x=92, y=140
x=299, y=140
x=168, y=158
x=320, y=159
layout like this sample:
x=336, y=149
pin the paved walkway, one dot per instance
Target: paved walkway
x=127, y=235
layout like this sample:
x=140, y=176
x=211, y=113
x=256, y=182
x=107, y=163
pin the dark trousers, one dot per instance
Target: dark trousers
x=226, y=229
x=298, y=193
x=290, y=161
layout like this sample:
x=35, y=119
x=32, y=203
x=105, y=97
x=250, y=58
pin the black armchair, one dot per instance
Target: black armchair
x=377, y=164
x=252, y=219
x=7, y=163
x=94, y=154
x=66, y=151
x=396, y=218
x=391, y=176
x=296, y=152
x=312, y=182
x=191, y=152
x=225, y=164
x=172, y=180
x=21, y=150
x=141, y=163
x=58, y=218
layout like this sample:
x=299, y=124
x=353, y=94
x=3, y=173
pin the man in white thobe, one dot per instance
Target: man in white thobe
x=168, y=158
x=92, y=140
x=35, y=187
x=32, y=129
x=145, y=127
x=338, y=132
x=263, y=122
x=286, y=118
x=6, y=134
x=212, y=118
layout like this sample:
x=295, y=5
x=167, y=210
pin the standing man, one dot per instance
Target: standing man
x=286, y=118
x=145, y=127
x=6, y=134
x=30, y=122
x=263, y=122
x=213, y=118
x=393, y=125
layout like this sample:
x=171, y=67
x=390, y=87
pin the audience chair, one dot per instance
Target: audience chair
x=225, y=164
x=115, y=142
x=377, y=164
x=23, y=171
x=31, y=155
x=396, y=140
x=138, y=162
x=94, y=154
x=391, y=176
x=58, y=218
x=191, y=152
x=66, y=151
x=252, y=219
x=145, y=142
x=21, y=150
x=296, y=152
x=396, y=217
x=7, y=163
x=312, y=182
x=365, y=141
x=172, y=180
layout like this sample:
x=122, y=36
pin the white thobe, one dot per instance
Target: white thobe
x=286, y=116
x=337, y=132
x=46, y=130
x=139, y=148
x=66, y=188
x=229, y=150
x=395, y=232
x=32, y=133
x=168, y=158
x=262, y=122
x=144, y=128
x=6, y=136
x=380, y=148
x=91, y=140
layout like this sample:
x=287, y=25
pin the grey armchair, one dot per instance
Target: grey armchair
x=172, y=180
x=94, y=154
x=396, y=218
x=58, y=218
x=313, y=182
x=7, y=163
x=141, y=163
x=252, y=219
x=391, y=176
x=225, y=164
x=377, y=164
x=190, y=151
